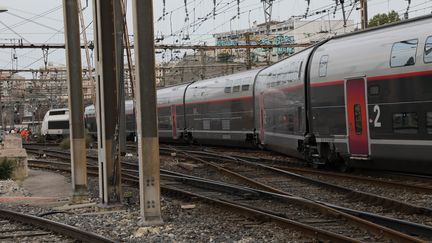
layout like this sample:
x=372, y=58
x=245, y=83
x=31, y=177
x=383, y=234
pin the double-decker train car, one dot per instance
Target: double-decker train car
x=362, y=99
x=381, y=95
x=55, y=123
x=91, y=126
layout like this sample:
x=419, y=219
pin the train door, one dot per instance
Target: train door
x=174, y=121
x=356, y=112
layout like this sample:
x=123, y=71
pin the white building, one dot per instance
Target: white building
x=287, y=32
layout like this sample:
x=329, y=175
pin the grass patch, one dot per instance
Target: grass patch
x=65, y=143
x=6, y=169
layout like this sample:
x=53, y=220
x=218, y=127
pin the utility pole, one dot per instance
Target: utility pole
x=248, y=52
x=268, y=7
x=146, y=116
x=364, y=14
x=76, y=100
x=119, y=29
x=87, y=52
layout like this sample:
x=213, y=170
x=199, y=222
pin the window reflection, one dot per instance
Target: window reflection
x=404, y=53
x=428, y=50
x=405, y=123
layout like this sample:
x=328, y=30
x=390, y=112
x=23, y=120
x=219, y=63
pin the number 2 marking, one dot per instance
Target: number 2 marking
x=377, y=110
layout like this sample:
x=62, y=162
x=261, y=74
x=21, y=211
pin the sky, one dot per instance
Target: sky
x=199, y=23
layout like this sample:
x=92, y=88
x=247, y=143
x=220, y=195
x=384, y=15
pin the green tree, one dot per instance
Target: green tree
x=381, y=19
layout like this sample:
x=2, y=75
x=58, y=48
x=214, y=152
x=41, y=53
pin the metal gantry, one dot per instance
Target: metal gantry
x=106, y=103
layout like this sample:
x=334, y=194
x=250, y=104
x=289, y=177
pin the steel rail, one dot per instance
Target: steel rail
x=56, y=227
x=360, y=194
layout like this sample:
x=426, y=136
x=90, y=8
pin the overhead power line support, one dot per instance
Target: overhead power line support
x=106, y=103
x=76, y=101
x=364, y=14
x=146, y=118
x=119, y=27
x=87, y=52
x=268, y=7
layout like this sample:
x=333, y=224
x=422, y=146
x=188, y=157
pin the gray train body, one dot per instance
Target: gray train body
x=363, y=99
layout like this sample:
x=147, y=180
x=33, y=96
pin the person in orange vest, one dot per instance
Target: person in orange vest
x=22, y=134
x=26, y=134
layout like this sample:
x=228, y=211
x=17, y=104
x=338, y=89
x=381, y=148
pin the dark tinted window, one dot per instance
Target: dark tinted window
x=358, y=119
x=428, y=50
x=236, y=88
x=55, y=113
x=429, y=122
x=227, y=89
x=323, y=66
x=403, y=53
x=58, y=124
x=405, y=123
x=245, y=87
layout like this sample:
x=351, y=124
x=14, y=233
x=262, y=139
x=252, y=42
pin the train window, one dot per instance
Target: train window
x=405, y=123
x=429, y=122
x=206, y=124
x=245, y=87
x=56, y=113
x=358, y=119
x=227, y=90
x=404, y=53
x=374, y=90
x=428, y=50
x=236, y=88
x=323, y=66
x=226, y=125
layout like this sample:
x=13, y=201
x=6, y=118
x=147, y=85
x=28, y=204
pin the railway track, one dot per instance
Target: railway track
x=286, y=182
x=18, y=227
x=335, y=222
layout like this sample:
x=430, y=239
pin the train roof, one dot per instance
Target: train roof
x=381, y=27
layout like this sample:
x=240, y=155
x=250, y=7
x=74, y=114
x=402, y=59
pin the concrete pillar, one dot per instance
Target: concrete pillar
x=76, y=100
x=147, y=130
x=106, y=103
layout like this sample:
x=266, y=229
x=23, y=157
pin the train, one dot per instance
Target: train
x=55, y=123
x=362, y=99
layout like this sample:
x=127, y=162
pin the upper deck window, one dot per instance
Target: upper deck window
x=323, y=66
x=56, y=113
x=404, y=53
x=428, y=50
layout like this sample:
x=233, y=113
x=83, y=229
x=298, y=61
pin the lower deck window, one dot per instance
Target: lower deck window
x=405, y=123
x=58, y=124
x=429, y=122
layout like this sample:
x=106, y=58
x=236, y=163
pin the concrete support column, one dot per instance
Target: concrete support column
x=76, y=100
x=106, y=103
x=147, y=130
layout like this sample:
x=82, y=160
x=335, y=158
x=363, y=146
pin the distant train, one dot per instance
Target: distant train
x=55, y=123
x=363, y=99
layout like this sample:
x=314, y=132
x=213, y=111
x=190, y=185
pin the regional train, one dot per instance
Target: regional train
x=362, y=99
x=55, y=123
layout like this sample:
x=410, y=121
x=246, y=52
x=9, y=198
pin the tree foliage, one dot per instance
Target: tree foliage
x=381, y=19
